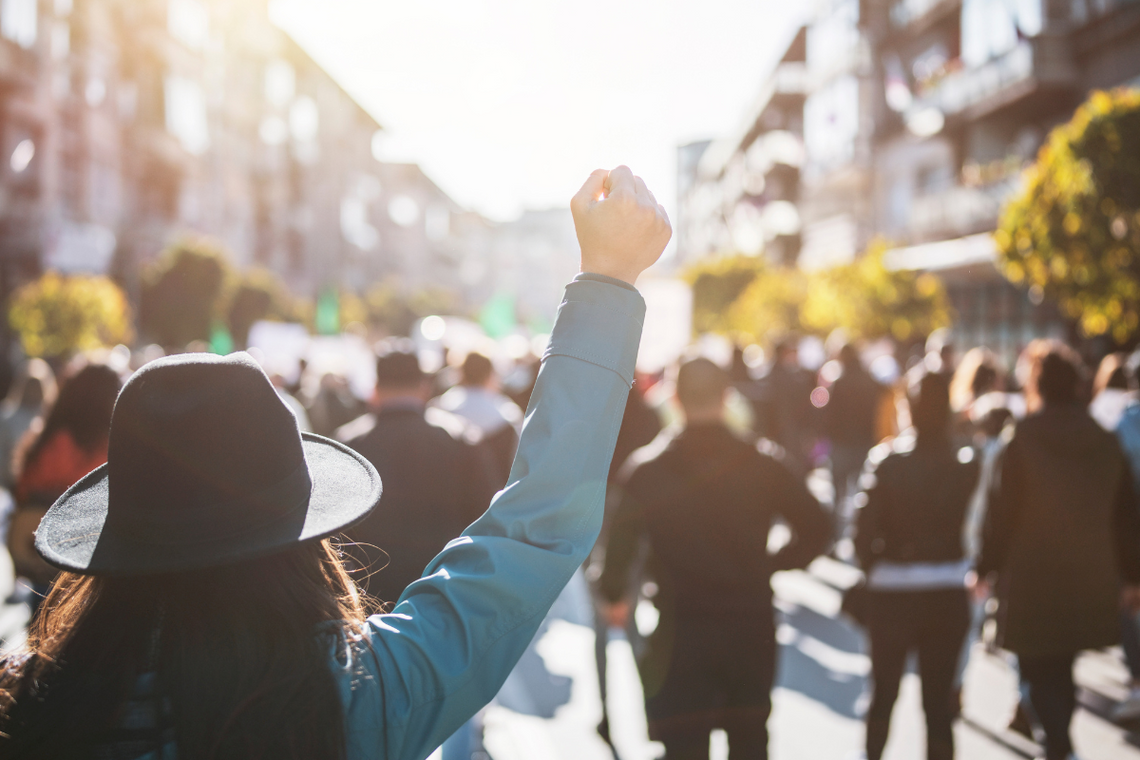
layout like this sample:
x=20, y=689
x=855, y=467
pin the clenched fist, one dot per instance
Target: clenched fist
x=622, y=229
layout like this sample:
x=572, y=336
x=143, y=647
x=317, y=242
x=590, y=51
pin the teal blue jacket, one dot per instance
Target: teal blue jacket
x=420, y=672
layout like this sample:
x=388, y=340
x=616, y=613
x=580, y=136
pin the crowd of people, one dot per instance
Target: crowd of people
x=952, y=483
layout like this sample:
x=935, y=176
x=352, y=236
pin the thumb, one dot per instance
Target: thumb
x=592, y=191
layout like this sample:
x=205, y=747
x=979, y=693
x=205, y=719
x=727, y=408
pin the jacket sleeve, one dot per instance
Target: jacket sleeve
x=456, y=633
x=870, y=539
x=1126, y=528
x=1002, y=511
x=811, y=527
x=622, y=544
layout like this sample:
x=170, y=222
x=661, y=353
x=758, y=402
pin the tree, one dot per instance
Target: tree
x=260, y=294
x=182, y=296
x=396, y=312
x=868, y=300
x=1073, y=232
x=717, y=283
x=56, y=315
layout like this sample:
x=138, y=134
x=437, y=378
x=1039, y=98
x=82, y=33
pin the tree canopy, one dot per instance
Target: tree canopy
x=182, y=295
x=748, y=298
x=57, y=315
x=1073, y=232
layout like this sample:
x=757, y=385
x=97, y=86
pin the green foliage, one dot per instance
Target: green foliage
x=864, y=298
x=395, y=312
x=56, y=316
x=717, y=283
x=183, y=293
x=1073, y=232
x=260, y=294
x=867, y=300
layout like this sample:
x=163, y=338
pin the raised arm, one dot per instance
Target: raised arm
x=457, y=632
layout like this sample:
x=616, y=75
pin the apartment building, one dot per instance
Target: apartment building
x=127, y=123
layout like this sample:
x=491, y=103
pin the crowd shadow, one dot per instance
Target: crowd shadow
x=841, y=691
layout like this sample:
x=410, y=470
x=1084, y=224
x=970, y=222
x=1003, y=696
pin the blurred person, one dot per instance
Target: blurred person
x=333, y=405
x=1112, y=391
x=33, y=391
x=436, y=480
x=908, y=539
x=788, y=408
x=71, y=442
x=850, y=421
x=478, y=400
x=204, y=613
x=1117, y=379
x=704, y=501
x=640, y=425
x=1061, y=538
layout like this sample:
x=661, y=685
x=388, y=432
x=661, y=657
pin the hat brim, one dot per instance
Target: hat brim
x=74, y=536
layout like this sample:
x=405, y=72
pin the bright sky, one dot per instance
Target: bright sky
x=509, y=104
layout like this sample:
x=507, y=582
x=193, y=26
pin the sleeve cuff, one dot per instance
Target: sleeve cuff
x=600, y=322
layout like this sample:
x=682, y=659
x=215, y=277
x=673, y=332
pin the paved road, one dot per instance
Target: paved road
x=818, y=702
x=550, y=706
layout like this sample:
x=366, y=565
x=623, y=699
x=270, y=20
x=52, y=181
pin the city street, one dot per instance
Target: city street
x=550, y=705
x=817, y=705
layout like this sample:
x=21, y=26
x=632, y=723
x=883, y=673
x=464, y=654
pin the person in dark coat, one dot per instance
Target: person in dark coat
x=1062, y=538
x=849, y=422
x=477, y=399
x=789, y=414
x=704, y=501
x=908, y=538
x=436, y=480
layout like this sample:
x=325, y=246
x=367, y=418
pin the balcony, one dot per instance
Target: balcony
x=916, y=15
x=1043, y=63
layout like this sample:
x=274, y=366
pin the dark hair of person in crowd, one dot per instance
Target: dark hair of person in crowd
x=701, y=385
x=849, y=357
x=243, y=634
x=476, y=371
x=1112, y=373
x=1054, y=375
x=929, y=399
x=977, y=375
x=397, y=365
x=83, y=409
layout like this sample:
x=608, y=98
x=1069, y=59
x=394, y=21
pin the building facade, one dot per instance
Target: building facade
x=918, y=117
x=125, y=124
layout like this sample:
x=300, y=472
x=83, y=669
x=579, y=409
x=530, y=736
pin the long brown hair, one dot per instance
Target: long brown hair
x=238, y=667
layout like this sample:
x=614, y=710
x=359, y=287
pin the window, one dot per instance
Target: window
x=833, y=40
x=991, y=28
x=18, y=21
x=189, y=22
x=280, y=83
x=186, y=116
x=831, y=123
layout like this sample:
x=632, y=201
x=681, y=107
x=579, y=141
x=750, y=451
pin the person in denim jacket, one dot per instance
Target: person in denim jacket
x=203, y=612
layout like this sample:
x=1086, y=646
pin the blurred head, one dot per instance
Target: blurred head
x=1113, y=373
x=1053, y=374
x=849, y=357
x=701, y=388
x=476, y=371
x=83, y=409
x=398, y=371
x=976, y=376
x=787, y=352
x=34, y=386
x=929, y=398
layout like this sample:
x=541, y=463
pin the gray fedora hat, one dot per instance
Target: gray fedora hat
x=205, y=467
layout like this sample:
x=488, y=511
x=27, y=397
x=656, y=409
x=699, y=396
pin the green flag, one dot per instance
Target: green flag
x=327, y=319
x=221, y=342
x=498, y=316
